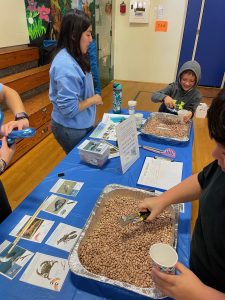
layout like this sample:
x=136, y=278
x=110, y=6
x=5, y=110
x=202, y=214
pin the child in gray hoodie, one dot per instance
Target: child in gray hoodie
x=183, y=93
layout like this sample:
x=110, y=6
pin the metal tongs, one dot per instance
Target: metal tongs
x=135, y=218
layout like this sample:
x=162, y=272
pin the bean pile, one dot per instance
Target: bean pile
x=166, y=126
x=121, y=252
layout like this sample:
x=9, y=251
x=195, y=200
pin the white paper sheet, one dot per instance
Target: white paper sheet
x=160, y=173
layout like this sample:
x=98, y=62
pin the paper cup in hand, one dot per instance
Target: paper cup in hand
x=164, y=257
x=181, y=114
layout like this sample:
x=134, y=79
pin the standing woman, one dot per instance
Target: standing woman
x=71, y=84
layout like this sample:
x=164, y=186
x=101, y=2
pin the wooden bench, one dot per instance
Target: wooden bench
x=12, y=56
x=27, y=80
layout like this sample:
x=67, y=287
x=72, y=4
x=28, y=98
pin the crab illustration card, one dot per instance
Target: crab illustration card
x=64, y=237
x=46, y=271
x=67, y=187
x=11, y=262
x=37, y=230
x=59, y=206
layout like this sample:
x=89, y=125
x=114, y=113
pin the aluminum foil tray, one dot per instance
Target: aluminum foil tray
x=126, y=235
x=164, y=127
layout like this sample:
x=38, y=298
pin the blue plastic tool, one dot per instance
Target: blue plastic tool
x=17, y=134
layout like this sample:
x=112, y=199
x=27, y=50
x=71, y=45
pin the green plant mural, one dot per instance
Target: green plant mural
x=37, y=18
x=41, y=13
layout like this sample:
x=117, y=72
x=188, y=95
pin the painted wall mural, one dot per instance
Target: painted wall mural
x=44, y=18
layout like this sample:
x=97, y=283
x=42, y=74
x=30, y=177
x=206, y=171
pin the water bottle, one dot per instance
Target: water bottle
x=117, y=97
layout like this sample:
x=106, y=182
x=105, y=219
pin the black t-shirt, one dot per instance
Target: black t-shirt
x=207, y=259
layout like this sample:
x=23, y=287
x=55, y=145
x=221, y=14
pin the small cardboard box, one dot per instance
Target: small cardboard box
x=94, y=152
x=201, y=110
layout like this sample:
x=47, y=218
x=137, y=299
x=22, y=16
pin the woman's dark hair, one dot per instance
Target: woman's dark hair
x=74, y=23
x=216, y=118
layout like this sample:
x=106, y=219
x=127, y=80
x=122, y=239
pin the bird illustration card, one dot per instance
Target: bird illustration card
x=46, y=271
x=64, y=237
x=12, y=261
x=67, y=187
x=59, y=206
x=37, y=230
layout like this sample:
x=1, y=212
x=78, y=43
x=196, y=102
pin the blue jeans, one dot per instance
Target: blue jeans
x=68, y=138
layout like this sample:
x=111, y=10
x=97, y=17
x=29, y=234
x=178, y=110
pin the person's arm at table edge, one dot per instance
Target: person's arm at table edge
x=186, y=191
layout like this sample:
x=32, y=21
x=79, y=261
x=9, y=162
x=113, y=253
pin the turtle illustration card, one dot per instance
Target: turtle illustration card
x=67, y=187
x=12, y=260
x=37, y=230
x=59, y=206
x=46, y=271
x=64, y=237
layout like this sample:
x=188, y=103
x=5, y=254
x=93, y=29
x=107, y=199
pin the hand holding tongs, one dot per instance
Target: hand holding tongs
x=134, y=218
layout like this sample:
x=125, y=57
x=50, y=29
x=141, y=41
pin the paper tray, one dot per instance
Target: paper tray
x=169, y=129
x=109, y=192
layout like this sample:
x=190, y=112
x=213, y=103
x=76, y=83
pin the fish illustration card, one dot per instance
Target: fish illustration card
x=46, y=271
x=59, y=206
x=67, y=187
x=64, y=237
x=37, y=230
x=11, y=262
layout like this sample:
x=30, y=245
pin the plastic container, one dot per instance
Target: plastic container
x=131, y=107
x=181, y=114
x=117, y=97
x=94, y=152
x=139, y=118
x=201, y=111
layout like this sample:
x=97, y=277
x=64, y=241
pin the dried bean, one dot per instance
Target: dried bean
x=121, y=252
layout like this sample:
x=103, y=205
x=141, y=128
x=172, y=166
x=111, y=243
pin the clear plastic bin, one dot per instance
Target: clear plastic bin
x=94, y=152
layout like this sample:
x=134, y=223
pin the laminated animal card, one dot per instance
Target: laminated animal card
x=46, y=271
x=59, y=206
x=64, y=237
x=11, y=262
x=67, y=187
x=37, y=230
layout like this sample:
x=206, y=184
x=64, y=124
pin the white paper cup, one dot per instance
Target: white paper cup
x=164, y=257
x=181, y=114
x=139, y=118
x=131, y=106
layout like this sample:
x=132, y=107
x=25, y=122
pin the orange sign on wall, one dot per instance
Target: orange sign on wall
x=161, y=26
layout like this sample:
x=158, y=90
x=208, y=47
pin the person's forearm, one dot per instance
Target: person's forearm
x=210, y=293
x=12, y=100
x=96, y=99
x=85, y=104
x=186, y=191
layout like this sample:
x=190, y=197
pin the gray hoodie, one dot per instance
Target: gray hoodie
x=184, y=99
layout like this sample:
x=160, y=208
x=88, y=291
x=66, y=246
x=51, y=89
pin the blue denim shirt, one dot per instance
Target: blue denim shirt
x=69, y=85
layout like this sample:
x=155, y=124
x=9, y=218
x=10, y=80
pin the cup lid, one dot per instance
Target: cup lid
x=132, y=102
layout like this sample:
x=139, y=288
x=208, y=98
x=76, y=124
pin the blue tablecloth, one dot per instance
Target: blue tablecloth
x=94, y=182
